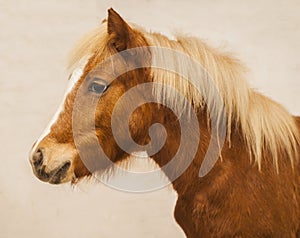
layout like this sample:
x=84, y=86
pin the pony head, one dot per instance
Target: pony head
x=97, y=80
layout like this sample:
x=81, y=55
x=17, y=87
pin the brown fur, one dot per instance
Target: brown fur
x=234, y=200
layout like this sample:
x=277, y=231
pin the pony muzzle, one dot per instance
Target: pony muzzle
x=53, y=162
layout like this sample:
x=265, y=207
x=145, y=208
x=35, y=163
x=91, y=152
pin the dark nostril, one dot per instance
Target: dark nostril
x=37, y=158
x=67, y=164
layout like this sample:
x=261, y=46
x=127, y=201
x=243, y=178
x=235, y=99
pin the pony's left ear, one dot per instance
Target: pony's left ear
x=121, y=34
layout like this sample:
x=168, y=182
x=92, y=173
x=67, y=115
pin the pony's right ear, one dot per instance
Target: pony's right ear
x=119, y=31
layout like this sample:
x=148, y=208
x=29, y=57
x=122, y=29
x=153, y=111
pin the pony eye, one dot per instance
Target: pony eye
x=98, y=86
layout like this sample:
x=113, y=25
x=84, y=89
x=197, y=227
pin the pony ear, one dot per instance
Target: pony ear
x=119, y=31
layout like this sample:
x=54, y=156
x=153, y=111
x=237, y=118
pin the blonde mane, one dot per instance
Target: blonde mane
x=265, y=125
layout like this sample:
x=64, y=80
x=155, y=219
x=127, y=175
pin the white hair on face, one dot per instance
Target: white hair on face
x=75, y=76
x=265, y=125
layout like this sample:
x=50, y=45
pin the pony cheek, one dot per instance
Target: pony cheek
x=139, y=129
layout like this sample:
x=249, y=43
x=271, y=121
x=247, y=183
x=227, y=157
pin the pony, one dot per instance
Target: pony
x=250, y=190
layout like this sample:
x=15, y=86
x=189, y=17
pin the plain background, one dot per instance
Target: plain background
x=35, y=37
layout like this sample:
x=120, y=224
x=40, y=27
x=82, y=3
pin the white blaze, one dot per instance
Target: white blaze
x=76, y=75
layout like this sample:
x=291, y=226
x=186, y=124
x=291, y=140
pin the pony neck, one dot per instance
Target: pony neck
x=165, y=117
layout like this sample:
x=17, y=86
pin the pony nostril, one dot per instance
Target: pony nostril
x=37, y=158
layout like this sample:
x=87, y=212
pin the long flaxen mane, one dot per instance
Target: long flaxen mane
x=265, y=125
